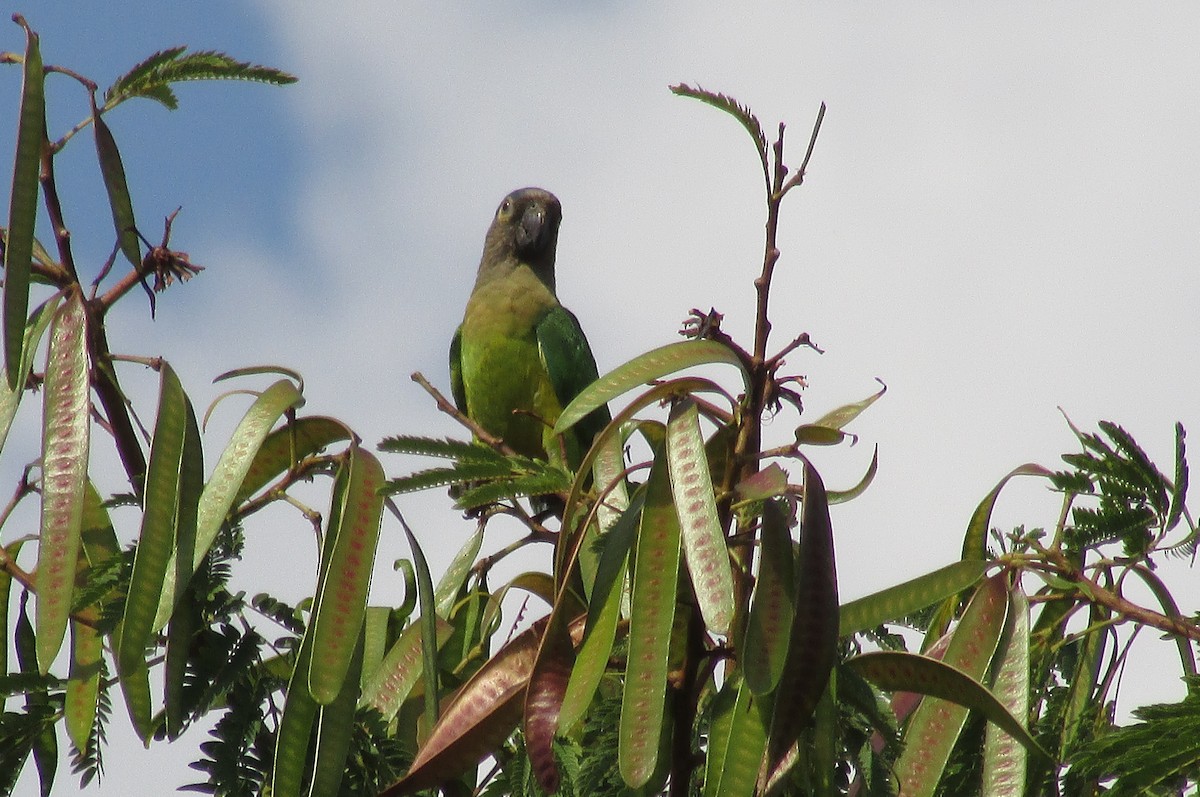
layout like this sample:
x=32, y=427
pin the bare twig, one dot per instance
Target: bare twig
x=485, y=563
x=481, y=434
x=1055, y=563
x=62, y=235
x=298, y=472
x=798, y=177
x=801, y=340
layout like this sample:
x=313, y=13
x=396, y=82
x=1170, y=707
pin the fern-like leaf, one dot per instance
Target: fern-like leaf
x=152, y=78
x=443, y=448
x=142, y=72
x=235, y=759
x=278, y=611
x=1095, y=527
x=1074, y=481
x=441, y=477
x=377, y=758
x=1159, y=754
x=22, y=683
x=1135, y=456
x=550, y=480
x=99, y=582
x=732, y=107
x=19, y=730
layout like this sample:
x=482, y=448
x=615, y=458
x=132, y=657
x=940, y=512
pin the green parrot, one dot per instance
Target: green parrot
x=519, y=356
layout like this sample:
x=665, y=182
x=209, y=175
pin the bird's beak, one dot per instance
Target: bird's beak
x=531, y=230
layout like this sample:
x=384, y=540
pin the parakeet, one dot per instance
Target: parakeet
x=519, y=356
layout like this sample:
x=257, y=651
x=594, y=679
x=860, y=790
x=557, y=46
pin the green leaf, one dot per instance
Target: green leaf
x=732, y=107
x=398, y=673
x=461, y=473
x=113, y=172
x=295, y=728
x=1152, y=756
x=143, y=75
x=22, y=206
x=287, y=446
x=902, y=600
x=1004, y=759
x=842, y=496
x=645, y=368
x=444, y=448
x=159, y=520
x=452, y=580
x=1180, y=485
x=152, y=77
x=704, y=547
x=893, y=670
x=769, y=623
x=1147, y=475
x=9, y=398
x=838, y=418
x=548, y=479
x=604, y=613
x=347, y=559
x=428, y=621
x=737, y=739
x=66, y=427
x=83, y=688
x=227, y=478
x=813, y=642
x=652, y=615
x=934, y=728
x=975, y=542
x=335, y=728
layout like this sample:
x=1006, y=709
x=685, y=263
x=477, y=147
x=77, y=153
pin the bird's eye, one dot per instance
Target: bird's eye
x=505, y=206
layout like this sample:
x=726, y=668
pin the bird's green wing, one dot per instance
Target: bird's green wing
x=571, y=366
x=456, y=378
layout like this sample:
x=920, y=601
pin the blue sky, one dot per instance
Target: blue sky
x=1001, y=218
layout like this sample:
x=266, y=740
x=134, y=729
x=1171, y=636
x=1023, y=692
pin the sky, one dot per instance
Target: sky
x=1001, y=219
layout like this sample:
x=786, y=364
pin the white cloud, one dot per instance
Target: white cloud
x=999, y=217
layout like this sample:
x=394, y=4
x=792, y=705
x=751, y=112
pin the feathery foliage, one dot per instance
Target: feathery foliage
x=152, y=78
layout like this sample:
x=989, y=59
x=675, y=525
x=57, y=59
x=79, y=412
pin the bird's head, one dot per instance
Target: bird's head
x=525, y=229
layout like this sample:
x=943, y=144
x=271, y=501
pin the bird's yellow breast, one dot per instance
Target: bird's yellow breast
x=508, y=391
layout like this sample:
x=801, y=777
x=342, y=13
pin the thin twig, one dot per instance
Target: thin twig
x=62, y=235
x=485, y=563
x=483, y=435
x=1056, y=564
x=801, y=340
x=798, y=177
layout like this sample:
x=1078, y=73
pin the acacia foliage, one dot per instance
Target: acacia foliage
x=695, y=644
